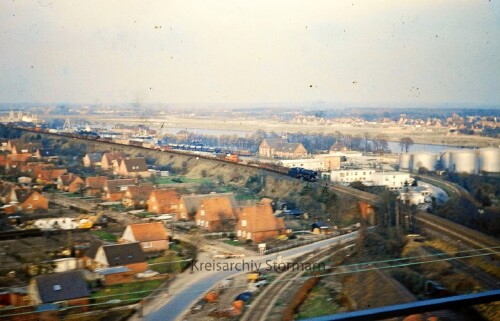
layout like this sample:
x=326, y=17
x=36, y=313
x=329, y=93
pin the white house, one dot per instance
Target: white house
x=350, y=175
x=392, y=180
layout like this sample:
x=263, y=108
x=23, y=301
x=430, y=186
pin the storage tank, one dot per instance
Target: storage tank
x=446, y=159
x=424, y=159
x=404, y=161
x=489, y=160
x=463, y=161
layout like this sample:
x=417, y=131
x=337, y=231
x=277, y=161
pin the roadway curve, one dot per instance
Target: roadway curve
x=184, y=296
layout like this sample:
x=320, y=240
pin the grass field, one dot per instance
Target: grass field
x=318, y=303
x=105, y=236
x=129, y=292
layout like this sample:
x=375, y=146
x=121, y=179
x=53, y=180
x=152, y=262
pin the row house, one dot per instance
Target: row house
x=137, y=195
x=70, y=183
x=153, y=237
x=163, y=201
x=216, y=214
x=114, y=189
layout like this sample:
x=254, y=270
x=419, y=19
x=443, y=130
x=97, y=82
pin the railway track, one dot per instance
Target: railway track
x=263, y=304
x=271, y=168
x=456, y=231
x=487, y=282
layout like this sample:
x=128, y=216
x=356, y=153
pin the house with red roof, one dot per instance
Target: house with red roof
x=163, y=201
x=110, y=160
x=258, y=223
x=216, y=214
x=153, y=237
x=70, y=183
x=137, y=195
x=114, y=189
x=94, y=185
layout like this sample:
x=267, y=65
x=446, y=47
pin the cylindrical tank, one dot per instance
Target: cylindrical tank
x=404, y=161
x=423, y=159
x=463, y=161
x=445, y=159
x=489, y=160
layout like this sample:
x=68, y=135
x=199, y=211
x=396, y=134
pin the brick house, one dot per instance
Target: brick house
x=110, y=160
x=119, y=263
x=189, y=204
x=29, y=200
x=94, y=185
x=133, y=167
x=114, y=189
x=163, y=201
x=137, y=195
x=92, y=159
x=50, y=175
x=216, y=214
x=70, y=183
x=258, y=223
x=153, y=237
x=281, y=148
x=70, y=287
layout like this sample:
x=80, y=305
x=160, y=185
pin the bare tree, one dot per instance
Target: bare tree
x=405, y=143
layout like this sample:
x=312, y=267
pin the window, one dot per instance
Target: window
x=35, y=198
x=147, y=245
x=56, y=287
x=202, y=212
x=244, y=223
x=249, y=235
x=238, y=233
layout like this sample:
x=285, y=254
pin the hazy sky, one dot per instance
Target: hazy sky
x=346, y=52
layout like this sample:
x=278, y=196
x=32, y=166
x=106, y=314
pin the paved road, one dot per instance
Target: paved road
x=189, y=287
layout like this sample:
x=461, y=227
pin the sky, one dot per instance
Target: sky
x=361, y=53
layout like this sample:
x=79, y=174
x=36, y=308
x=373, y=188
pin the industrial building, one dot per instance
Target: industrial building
x=318, y=163
x=392, y=180
x=469, y=161
x=350, y=175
